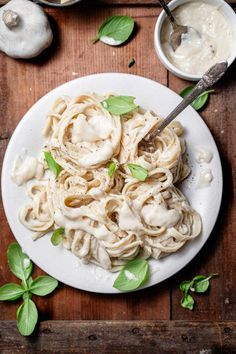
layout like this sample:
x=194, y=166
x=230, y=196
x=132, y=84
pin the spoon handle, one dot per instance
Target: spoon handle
x=208, y=80
x=167, y=10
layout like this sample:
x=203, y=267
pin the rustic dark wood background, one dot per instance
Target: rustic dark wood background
x=73, y=55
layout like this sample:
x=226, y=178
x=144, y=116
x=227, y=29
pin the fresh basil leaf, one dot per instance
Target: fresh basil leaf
x=187, y=302
x=11, y=292
x=200, y=101
x=16, y=262
x=27, y=295
x=52, y=164
x=56, y=237
x=185, y=286
x=43, y=285
x=111, y=168
x=27, y=317
x=119, y=105
x=200, y=283
x=134, y=274
x=131, y=63
x=138, y=172
x=115, y=30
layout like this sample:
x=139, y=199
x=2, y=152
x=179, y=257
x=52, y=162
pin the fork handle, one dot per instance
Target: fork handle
x=209, y=79
x=168, y=12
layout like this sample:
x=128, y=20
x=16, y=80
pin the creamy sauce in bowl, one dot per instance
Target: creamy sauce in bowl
x=211, y=42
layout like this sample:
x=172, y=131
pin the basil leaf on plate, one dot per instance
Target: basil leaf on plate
x=56, y=237
x=115, y=30
x=131, y=63
x=111, y=168
x=187, y=302
x=200, y=283
x=43, y=285
x=11, y=292
x=119, y=105
x=16, y=259
x=52, y=164
x=27, y=317
x=138, y=172
x=134, y=274
x=200, y=101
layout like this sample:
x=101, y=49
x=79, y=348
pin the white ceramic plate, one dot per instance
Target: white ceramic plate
x=62, y=264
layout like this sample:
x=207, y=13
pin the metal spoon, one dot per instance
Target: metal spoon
x=178, y=30
x=209, y=79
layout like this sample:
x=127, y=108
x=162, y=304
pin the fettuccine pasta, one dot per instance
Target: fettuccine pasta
x=108, y=220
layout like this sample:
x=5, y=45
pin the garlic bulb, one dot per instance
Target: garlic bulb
x=24, y=29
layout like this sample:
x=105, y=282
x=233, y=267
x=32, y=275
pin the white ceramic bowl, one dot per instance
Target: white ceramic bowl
x=57, y=4
x=226, y=10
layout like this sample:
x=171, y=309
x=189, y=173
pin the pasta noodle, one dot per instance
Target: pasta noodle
x=110, y=220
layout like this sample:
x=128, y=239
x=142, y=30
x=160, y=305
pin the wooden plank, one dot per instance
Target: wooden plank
x=72, y=55
x=124, y=2
x=218, y=255
x=24, y=82
x=122, y=337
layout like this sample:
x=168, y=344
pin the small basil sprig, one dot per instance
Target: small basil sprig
x=21, y=267
x=134, y=274
x=52, y=164
x=198, y=284
x=200, y=101
x=112, y=168
x=131, y=63
x=138, y=172
x=56, y=238
x=115, y=30
x=119, y=105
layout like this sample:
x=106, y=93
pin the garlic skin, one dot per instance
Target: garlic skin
x=24, y=29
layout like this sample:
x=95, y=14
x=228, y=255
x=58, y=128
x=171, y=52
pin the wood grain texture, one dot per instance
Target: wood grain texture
x=23, y=82
x=172, y=337
x=218, y=255
x=72, y=55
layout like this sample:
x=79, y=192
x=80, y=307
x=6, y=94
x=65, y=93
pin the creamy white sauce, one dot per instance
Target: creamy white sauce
x=127, y=219
x=110, y=41
x=75, y=223
x=130, y=276
x=205, y=178
x=158, y=215
x=103, y=154
x=203, y=155
x=94, y=129
x=25, y=168
x=96, y=193
x=211, y=42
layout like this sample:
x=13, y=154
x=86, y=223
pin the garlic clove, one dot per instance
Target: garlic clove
x=24, y=29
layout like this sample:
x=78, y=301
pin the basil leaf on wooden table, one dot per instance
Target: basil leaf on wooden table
x=119, y=105
x=52, y=164
x=187, y=302
x=56, y=237
x=134, y=274
x=131, y=63
x=111, y=168
x=16, y=260
x=115, y=30
x=200, y=283
x=43, y=285
x=11, y=292
x=200, y=101
x=27, y=317
x=185, y=286
x=138, y=172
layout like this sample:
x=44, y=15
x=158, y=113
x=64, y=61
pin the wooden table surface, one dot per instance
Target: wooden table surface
x=73, y=55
